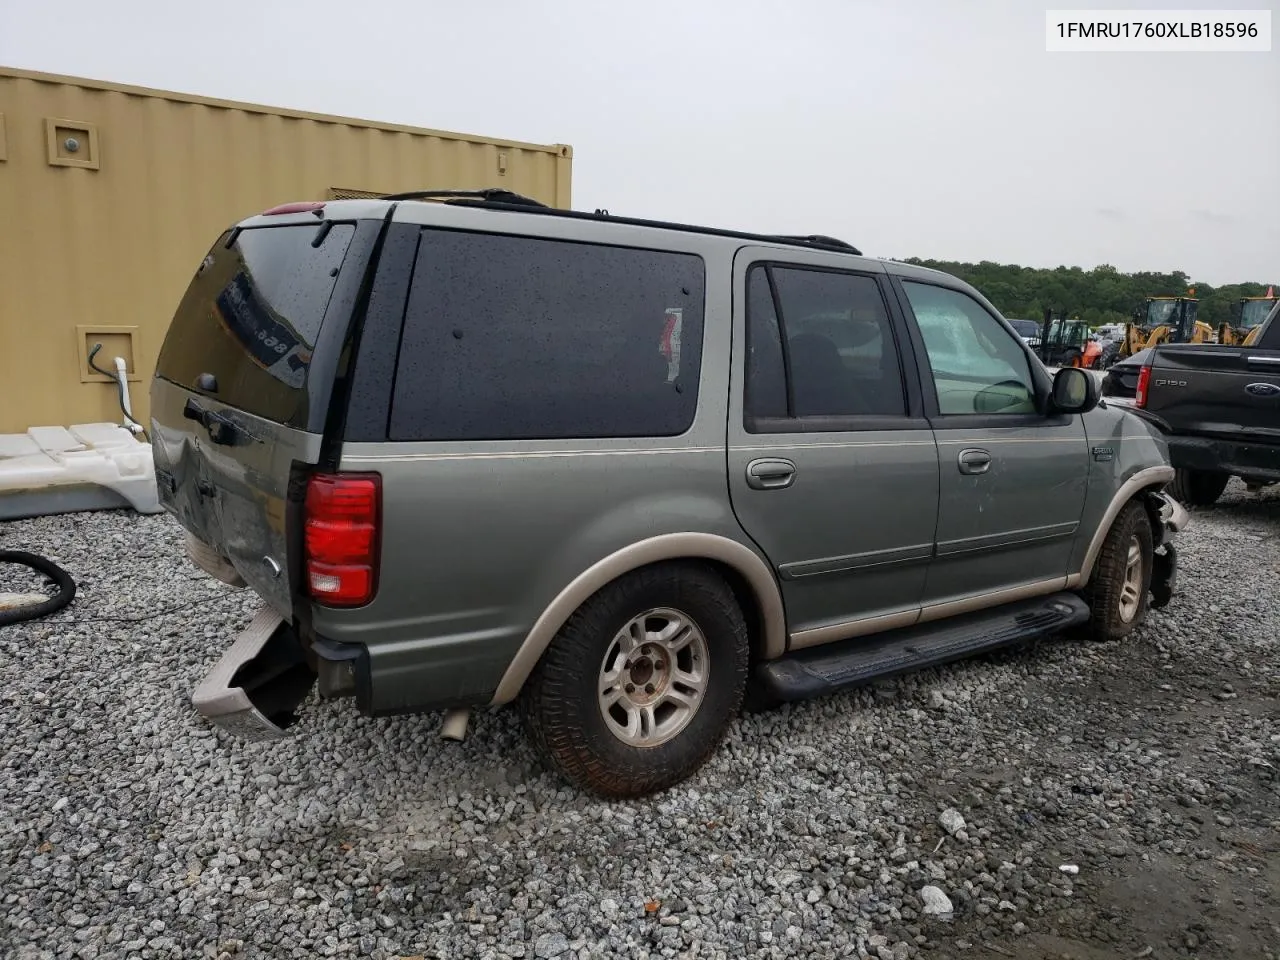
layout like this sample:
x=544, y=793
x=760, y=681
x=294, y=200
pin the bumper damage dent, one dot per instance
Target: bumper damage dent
x=254, y=689
x=1171, y=519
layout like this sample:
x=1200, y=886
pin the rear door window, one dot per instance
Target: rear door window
x=252, y=314
x=516, y=338
x=831, y=353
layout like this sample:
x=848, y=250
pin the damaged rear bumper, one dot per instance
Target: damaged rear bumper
x=255, y=688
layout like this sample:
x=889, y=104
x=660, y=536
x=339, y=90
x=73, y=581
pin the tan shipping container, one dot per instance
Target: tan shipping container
x=111, y=195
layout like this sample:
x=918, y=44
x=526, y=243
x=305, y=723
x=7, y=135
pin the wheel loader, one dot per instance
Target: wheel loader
x=1246, y=319
x=1160, y=320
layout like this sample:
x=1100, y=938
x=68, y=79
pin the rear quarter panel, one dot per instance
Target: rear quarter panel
x=480, y=537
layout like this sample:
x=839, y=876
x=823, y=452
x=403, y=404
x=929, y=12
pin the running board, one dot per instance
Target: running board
x=849, y=663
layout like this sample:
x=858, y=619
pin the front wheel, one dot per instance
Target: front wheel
x=1198, y=488
x=638, y=688
x=1118, y=593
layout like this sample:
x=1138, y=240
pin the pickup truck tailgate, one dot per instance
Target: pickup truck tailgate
x=1228, y=392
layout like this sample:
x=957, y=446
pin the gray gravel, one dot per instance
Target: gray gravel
x=130, y=829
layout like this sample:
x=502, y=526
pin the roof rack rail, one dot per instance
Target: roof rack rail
x=488, y=195
x=820, y=240
x=499, y=199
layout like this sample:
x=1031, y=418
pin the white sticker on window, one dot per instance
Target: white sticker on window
x=670, y=343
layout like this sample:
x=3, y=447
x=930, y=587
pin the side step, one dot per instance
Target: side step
x=849, y=663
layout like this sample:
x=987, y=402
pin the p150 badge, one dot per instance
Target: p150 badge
x=1171, y=383
x=1263, y=390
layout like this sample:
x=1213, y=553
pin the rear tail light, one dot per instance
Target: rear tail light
x=1140, y=394
x=340, y=537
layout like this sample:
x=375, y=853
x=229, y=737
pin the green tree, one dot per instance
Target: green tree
x=1101, y=295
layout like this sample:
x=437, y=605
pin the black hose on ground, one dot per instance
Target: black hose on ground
x=55, y=574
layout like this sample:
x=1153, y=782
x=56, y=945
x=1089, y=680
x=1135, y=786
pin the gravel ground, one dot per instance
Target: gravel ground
x=128, y=828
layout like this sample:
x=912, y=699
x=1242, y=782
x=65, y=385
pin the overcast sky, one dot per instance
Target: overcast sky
x=932, y=128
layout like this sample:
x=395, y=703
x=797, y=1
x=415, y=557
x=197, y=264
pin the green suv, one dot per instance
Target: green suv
x=472, y=451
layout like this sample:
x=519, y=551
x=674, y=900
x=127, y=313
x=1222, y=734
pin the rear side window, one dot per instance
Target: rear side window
x=514, y=338
x=831, y=353
x=252, y=314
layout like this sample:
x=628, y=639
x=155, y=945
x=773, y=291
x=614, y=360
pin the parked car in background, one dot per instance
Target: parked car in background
x=1120, y=383
x=614, y=471
x=1029, y=330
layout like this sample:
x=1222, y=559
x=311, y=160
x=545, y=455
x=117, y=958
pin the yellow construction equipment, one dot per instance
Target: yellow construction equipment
x=1164, y=320
x=1247, y=318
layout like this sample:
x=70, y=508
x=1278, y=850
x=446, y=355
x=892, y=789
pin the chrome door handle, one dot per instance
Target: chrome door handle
x=974, y=460
x=770, y=474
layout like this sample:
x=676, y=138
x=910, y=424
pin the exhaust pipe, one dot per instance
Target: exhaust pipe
x=455, y=723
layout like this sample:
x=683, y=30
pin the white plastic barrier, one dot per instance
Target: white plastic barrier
x=88, y=466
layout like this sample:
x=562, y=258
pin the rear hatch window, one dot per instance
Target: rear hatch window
x=252, y=315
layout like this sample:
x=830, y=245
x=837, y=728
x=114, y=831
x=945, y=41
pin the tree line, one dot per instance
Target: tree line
x=1098, y=296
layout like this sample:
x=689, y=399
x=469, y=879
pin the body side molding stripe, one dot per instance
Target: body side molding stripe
x=856, y=561
x=1010, y=538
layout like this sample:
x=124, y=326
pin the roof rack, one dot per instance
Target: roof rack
x=818, y=240
x=499, y=199
x=488, y=195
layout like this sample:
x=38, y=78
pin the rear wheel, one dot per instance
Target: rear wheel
x=1198, y=488
x=1118, y=593
x=639, y=686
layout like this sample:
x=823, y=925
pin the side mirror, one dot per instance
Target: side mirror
x=1074, y=391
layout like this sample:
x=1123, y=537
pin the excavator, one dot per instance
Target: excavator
x=1248, y=314
x=1161, y=320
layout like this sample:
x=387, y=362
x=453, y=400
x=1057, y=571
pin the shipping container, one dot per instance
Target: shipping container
x=110, y=196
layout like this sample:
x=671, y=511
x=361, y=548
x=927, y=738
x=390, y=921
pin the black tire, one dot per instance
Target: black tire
x=560, y=704
x=1198, y=488
x=1112, y=618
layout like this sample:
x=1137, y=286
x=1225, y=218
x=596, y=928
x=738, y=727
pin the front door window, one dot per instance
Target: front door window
x=978, y=367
